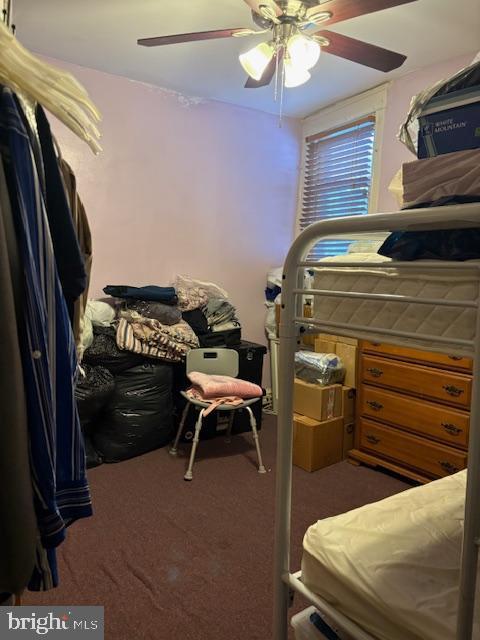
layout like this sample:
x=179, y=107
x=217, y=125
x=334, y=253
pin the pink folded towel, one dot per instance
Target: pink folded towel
x=212, y=386
x=231, y=401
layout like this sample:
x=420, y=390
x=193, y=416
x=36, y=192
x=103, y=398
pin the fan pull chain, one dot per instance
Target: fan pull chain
x=275, y=93
x=282, y=88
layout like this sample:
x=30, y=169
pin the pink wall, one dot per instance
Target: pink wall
x=201, y=187
x=185, y=186
x=400, y=92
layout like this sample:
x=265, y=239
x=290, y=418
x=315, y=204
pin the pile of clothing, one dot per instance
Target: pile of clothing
x=125, y=399
x=141, y=338
x=151, y=338
x=165, y=322
x=150, y=322
x=221, y=315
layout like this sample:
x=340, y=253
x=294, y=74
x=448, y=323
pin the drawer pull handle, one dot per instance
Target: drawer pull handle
x=451, y=429
x=452, y=390
x=456, y=357
x=372, y=439
x=448, y=467
x=376, y=373
x=376, y=406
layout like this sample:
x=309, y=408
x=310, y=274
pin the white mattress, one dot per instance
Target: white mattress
x=443, y=284
x=393, y=566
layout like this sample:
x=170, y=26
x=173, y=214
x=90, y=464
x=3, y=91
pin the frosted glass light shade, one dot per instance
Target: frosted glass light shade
x=295, y=75
x=303, y=51
x=256, y=60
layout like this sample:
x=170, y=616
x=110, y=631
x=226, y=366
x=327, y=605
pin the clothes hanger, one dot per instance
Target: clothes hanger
x=56, y=90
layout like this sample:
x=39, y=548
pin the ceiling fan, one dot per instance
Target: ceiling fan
x=296, y=41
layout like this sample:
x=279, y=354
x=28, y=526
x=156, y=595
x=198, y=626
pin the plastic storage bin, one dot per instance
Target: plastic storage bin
x=305, y=629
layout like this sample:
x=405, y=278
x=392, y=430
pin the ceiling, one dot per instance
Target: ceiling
x=102, y=35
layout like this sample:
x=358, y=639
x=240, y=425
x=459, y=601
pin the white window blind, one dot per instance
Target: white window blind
x=337, y=178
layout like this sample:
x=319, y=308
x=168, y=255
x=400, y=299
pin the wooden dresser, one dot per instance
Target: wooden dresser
x=413, y=411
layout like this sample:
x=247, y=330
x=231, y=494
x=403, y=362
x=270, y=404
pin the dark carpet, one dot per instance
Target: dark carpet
x=172, y=560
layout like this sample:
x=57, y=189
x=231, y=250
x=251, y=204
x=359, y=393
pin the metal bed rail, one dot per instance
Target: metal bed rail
x=454, y=216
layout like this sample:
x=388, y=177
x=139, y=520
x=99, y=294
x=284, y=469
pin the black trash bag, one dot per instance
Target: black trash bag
x=104, y=352
x=93, y=458
x=92, y=392
x=139, y=416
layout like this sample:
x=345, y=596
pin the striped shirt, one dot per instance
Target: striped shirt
x=57, y=456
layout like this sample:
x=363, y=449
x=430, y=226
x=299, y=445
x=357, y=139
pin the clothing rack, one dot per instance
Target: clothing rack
x=292, y=325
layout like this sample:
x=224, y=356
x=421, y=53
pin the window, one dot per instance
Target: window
x=337, y=178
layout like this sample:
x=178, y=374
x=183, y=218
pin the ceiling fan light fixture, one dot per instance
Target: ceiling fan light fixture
x=295, y=74
x=255, y=60
x=316, y=16
x=304, y=52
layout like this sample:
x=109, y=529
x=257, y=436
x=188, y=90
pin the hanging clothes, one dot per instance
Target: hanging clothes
x=18, y=530
x=57, y=457
x=68, y=255
x=84, y=237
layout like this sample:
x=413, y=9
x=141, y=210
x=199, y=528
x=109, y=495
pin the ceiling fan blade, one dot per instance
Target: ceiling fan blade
x=345, y=9
x=256, y=5
x=191, y=37
x=266, y=78
x=358, y=51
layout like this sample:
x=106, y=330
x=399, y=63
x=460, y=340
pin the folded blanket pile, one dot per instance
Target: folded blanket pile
x=213, y=386
x=151, y=338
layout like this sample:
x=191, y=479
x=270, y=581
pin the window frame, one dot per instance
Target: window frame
x=340, y=115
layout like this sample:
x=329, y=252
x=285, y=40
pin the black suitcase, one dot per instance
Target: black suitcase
x=230, y=338
x=250, y=367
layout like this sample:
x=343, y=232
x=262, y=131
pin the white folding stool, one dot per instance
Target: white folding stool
x=222, y=362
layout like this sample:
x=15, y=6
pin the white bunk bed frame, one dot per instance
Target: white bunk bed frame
x=292, y=324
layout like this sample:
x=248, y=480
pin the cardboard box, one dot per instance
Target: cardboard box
x=344, y=339
x=450, y=123
x=278, y=310
x=324, y=346
x=309, y=338
x=317, y=402
x=317, y=444
x=348, y=437
x=348, y=354
x=348, y=402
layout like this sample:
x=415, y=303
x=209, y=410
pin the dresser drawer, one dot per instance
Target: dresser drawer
x=432, y=459
x=406, y=353
x=425, y=418
x=447, y=386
